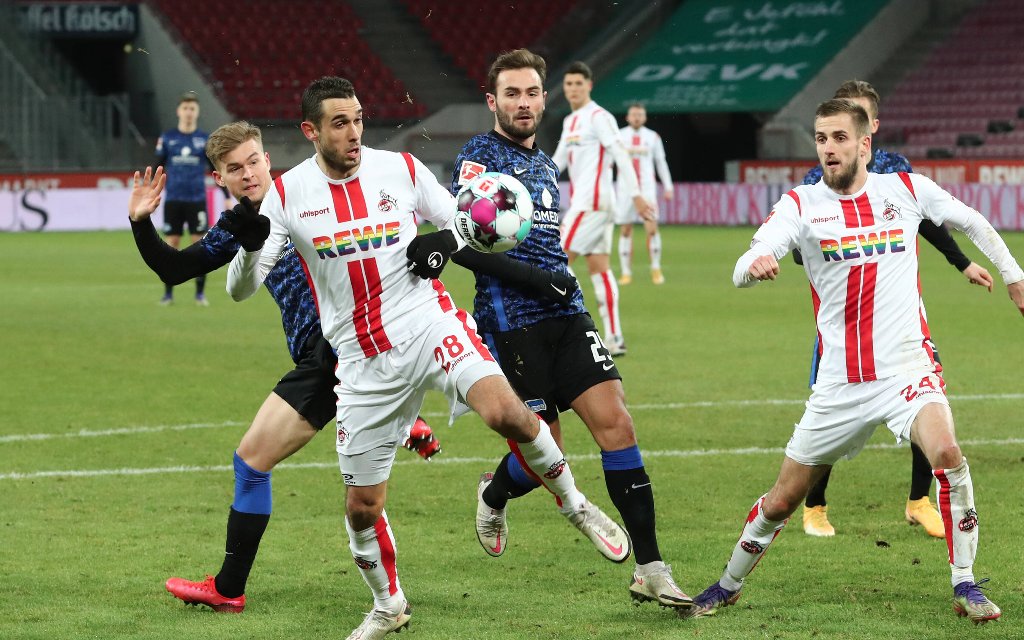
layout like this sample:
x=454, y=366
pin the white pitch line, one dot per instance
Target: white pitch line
x=668, y=453
x=87, y=433
x=95, y=433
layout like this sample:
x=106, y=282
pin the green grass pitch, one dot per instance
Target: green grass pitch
x=120, y=416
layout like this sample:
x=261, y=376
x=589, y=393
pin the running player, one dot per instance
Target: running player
x=919, y=509
x=396, y=331
x=648, y=153
x=301, y=403
x=587, y=147
x=858, y=234
x=531, y=313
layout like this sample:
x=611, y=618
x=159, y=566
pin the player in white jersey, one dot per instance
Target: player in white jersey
x=858, y=235
x=589, y=144
x=648, y=163
x=396, y=331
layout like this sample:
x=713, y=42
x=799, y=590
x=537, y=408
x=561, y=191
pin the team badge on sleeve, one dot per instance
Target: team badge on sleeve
x=470, y=170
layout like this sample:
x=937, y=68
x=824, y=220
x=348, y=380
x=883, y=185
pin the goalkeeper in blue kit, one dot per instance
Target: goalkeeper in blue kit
x=530, y=311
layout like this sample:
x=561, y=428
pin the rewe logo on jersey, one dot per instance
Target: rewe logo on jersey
x=349, y=241
x=861, y=245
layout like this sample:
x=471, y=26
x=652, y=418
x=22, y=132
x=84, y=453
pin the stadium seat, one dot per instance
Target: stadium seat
x=258, y=76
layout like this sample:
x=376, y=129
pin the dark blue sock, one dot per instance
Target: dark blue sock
x=510, y=481
x=247, y=521
x=252, y=489
x=630, y=490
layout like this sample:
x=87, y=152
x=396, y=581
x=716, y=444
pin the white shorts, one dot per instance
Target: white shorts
x=380, y=397
x=587, y=232
x=840, y=417
x=625, y=212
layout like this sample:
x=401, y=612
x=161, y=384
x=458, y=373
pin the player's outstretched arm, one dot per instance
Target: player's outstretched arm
x=547, y=284
x=941, y=207
x=941, y=239
x=1016, y=291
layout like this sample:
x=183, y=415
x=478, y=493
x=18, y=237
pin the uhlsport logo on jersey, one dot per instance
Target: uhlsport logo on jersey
x=364, y=564
x=862, y=245
x=969, y=521
x=555, y=470
x=363, y=238
x=752, y=547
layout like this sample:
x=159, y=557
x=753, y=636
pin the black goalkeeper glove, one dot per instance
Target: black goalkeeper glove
x=429, y=253
x=559, y=287
x=247, y=226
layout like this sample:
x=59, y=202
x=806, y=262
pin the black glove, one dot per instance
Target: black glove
x=429, y=253
x=248, y=227
x=559, y=287
x=798, y=257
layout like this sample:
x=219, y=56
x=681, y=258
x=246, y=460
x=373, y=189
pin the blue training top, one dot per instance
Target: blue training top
x=184, y=158
x=499, y=306
x=286, y=283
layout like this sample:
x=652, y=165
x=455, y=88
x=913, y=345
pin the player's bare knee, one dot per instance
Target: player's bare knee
x=363, y=511
x=615, y=431
x=947, y=456
x=779, y=504
x=506, y=415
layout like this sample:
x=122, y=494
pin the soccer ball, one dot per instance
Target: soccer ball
x=494, y=212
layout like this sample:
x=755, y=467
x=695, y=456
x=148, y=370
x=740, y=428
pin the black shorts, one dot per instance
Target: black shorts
x=551, y=363
x=309, y=387
x=178, y=214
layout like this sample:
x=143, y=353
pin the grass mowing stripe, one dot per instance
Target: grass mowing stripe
x=87, y=433
x=667, y=453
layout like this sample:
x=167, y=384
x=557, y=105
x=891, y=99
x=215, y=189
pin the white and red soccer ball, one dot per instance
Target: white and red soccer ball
x=494, y=212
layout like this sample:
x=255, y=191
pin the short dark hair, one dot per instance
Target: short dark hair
x=189, y=96
x=838, y=106
x=581, y=68
x=860, y=89
x=518, y=59
x=636, y=105
x=322, y=89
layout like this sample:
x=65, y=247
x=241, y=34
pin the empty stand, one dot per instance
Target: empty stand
x=472, y=34
x=967, y=99
x=261, y=54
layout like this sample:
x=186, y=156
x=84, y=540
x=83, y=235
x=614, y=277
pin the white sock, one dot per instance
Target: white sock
x=374, y=552
x=626, y=254
x=758, y=533
x=956, y=505
x=546, y=461
x=606, y=290
x=654, y=249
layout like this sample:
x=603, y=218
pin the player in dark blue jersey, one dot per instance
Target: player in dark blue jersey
x=531, y=313
x=301, y=404
x=919, y=508
x=181, y=152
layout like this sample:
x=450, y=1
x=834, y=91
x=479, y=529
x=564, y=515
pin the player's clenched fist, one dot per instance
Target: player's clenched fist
x=246, y=225
x=429, y=253
x=764, y=268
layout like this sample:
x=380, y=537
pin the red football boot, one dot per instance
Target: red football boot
x=422, y=441
x=204, y=592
